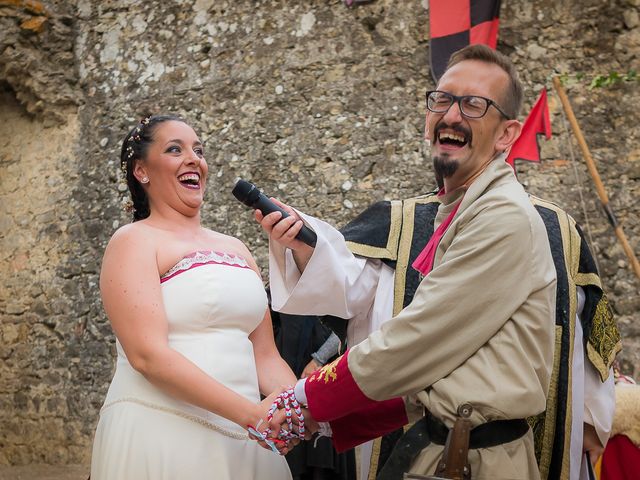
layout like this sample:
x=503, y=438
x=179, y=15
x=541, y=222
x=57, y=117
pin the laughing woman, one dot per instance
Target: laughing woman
x=193, y=335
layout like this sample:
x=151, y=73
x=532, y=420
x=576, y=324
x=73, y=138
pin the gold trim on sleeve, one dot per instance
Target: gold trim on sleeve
x=404, y=250
x=571, y=253
x=404, y=247
x=390, y=251
x=583, y=279
x=604, y=342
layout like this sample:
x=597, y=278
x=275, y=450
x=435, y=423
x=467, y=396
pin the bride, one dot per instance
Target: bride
x=194, y=339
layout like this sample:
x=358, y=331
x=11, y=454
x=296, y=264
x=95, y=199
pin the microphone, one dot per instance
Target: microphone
x=249, y=194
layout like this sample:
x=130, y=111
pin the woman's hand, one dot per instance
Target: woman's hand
x=262, y=431
x=279, y=423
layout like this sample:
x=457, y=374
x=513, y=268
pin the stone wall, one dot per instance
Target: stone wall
x=317, y=103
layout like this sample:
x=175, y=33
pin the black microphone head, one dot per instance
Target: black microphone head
x=246, y=192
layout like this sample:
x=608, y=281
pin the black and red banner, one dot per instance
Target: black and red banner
x=454, y=24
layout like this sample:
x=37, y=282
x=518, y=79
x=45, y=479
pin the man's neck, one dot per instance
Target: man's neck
x=454, y=182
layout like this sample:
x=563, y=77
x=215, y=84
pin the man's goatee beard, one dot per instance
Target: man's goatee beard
x=444, y=167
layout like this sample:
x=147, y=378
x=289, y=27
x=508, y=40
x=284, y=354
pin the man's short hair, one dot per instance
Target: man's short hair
x=512, y=101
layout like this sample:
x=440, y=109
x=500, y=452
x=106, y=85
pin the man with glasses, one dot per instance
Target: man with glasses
x=471, y=334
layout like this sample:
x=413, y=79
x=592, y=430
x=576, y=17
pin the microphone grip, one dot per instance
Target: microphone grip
x=266, y=206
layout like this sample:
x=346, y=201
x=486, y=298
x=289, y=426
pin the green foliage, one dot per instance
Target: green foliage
x=564, y=79
x=599, y=81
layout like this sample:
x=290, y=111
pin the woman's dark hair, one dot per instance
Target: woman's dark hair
x=135, y=147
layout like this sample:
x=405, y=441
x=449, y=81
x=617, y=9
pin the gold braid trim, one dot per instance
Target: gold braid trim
x=174, y=411
x=375, y=457
x=402, y=225
x=543, y=425
x=604, y=341
x=389, y=251
x=571, y=243
x=404, y=250
x=403, y=217
x=404, y=247
x=583, y=279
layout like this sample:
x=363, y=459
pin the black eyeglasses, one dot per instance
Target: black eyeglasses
x=471, y=106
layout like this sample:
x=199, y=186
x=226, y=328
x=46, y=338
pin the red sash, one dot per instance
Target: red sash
x=424, y=262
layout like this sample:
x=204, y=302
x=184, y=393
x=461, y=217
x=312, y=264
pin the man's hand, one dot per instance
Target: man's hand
x=591, y=443
x=311, y=367
x=280, y=429
x=311, y=426
x=279, y=421
x=284, y=231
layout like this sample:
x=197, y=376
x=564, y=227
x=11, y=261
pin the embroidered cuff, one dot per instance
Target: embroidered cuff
x=332, y=392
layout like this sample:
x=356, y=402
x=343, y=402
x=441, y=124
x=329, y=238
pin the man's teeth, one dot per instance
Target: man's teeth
x=189, y=177
x=452, y=136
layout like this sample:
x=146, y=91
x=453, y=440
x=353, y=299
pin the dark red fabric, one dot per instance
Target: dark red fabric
x=454, y=24
x=537, y=123
x=371, y=422
x=485, y=33
x=621, y=460
x=448, y=17
x=424, y=262
x=332, y=392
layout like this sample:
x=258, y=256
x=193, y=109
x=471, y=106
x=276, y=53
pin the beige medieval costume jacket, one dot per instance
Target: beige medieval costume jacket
x=477, y=330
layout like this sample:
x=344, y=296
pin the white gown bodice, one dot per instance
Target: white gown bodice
x=213, y=301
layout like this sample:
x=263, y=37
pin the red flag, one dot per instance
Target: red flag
x=537, y=123
x=454, y=24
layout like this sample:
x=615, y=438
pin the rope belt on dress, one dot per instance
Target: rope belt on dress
x=194, y=418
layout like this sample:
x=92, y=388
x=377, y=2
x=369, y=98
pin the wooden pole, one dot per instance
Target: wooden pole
x=593, y=171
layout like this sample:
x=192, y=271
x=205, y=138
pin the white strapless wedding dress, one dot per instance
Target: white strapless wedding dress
x=213, y=301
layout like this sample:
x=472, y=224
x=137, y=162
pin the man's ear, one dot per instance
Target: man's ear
x=426, y=126
x=427, y=133
x=510, y=132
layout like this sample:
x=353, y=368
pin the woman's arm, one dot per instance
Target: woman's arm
x=273, y=371
x=130, y=287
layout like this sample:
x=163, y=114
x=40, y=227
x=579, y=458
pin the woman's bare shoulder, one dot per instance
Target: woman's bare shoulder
x=133, y=236
x=129, y=231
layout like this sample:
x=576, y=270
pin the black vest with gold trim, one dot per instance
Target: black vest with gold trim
x=397, y=231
